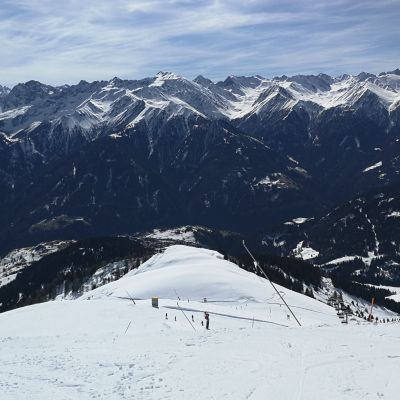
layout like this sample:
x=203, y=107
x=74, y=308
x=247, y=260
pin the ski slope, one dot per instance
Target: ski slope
x=102, y=346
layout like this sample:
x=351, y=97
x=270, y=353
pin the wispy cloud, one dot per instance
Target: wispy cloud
x=59, y=42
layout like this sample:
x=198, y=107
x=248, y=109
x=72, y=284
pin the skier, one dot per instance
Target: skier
x=166, y=315
x=192, y=318
x=207, y=318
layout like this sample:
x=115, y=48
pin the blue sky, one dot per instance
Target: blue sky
x=64, y=41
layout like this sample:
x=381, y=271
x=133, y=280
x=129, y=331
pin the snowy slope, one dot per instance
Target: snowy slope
x=110, y=348
x=192, y=272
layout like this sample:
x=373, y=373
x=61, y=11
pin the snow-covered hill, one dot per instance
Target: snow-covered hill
x=195, y=274
x=104, y=346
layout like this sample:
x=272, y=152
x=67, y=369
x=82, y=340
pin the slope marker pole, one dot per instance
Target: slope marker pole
x=126, y=330
x=180, y=308
x=131, y=298
x=258, y=268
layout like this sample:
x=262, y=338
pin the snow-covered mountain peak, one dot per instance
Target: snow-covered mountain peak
x=201, y=80
x=313, y=83
x=181, y=256
x=4, y=90
x=27, y=93
x=240, y=85
x=161, y=77
x=116, y=81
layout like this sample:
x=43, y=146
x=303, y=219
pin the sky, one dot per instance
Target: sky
x=64, y=41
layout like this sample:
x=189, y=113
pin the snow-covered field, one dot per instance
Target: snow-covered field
x=104, y=346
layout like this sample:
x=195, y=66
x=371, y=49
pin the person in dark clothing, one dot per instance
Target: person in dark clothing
x=207, y=318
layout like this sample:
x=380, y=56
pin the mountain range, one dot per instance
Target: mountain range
x=301, y=162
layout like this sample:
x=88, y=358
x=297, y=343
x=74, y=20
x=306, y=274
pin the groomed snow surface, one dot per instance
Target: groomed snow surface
x=103, y=346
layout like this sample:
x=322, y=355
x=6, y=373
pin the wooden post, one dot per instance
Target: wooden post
x=372, y=305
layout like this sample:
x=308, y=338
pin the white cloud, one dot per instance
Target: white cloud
x=59, y=42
